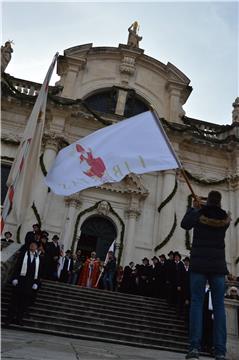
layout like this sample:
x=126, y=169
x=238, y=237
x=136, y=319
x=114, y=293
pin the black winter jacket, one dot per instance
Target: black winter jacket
x=208, y=248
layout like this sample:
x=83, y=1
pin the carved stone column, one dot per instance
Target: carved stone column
x=132, y=213
x=166, y=215
x=51, y=147
x=72, y=202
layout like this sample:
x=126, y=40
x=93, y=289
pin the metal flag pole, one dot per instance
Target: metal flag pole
x=159, y=124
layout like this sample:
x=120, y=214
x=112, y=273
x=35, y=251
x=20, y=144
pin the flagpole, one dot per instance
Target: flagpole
x=158, y=122
x=25, y=147
x=111, y=248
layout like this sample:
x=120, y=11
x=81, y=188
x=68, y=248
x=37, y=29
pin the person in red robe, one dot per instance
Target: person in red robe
x=90, y=272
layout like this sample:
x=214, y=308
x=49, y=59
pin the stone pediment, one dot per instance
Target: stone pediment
x=131, y=184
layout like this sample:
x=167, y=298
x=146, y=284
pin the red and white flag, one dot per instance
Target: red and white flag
x=22, y=173
x=138, y=145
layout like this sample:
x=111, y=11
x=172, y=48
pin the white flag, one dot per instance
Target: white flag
x=138, y=145
x=22, y=174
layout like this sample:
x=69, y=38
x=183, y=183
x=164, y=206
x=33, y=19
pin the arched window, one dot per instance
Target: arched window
x=105, y=101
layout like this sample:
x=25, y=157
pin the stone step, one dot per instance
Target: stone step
x=70, y=310
x=103, y=317
x=80, y=296
x=99, y=326
x=101, y=338
x=97, y=332
x=99, y=292
x=86, y=307
x=109, y=298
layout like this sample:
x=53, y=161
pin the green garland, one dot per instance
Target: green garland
x=236, y=222
x=43, y=168
x=42, y=165
x=170, y=196
x=36, y=214
x=18, y=234
x=204, y=181
x=114, y=213
x=168, y=237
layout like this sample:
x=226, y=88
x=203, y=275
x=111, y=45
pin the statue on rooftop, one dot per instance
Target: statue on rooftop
x=6, y=52
x=134, y=38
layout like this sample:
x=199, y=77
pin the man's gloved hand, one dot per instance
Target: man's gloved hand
x=14, y=282
x=34, y=287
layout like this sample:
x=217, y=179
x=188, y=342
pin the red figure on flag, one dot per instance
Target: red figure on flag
x=97, y=166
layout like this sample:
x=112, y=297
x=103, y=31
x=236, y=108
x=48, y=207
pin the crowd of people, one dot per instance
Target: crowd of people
x=182, y=283
x=162, y=277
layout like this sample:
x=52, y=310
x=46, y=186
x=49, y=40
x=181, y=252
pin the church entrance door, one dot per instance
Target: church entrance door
x=97, y=234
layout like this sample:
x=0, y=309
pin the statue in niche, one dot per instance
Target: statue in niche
x=6, y=52
x=134, y=38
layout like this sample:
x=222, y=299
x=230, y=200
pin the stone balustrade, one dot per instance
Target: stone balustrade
x=8, y=261
x=27, y=87
x=232, y=316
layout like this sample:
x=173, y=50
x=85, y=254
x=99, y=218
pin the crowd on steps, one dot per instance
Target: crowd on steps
x=160, y=277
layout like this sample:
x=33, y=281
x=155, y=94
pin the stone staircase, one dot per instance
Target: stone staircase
x=99, y=315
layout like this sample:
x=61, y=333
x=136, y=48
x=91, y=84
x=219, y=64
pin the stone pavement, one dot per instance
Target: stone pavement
x=21, y=345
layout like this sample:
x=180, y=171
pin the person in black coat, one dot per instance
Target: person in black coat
x=178, y=283
x=66, y=268
x=170, y=278
x=155, y=284
x=207, y=262
x=8, y=237
x=145, y=272
x=25, y=282
x=53, y=253
x=128, y=283
x=162, y=277
x=33, y=235
x=186, y=288
x=109, y=272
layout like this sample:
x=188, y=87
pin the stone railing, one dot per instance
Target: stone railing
x=28, y=87
x=8, y=261
x=232, y=316
x=213, y=131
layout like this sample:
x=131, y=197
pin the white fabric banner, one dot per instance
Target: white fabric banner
x=21, y=177
x=136, y=145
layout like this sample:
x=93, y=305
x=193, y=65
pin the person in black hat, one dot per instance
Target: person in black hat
x=8, y=237
x=33, y=235
x=186, y=288
x=178, y=283
x=53, y=253
x=128, y=283
x=155, y=284
x=7, y=240
x=170, y=272
x=25, y=282
x=65, y=267
x=145, y=277
x=162, y=276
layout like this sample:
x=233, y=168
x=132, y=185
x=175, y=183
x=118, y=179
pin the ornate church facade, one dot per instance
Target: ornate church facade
x=100, y=86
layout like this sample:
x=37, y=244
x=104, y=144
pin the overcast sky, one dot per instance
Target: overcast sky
x=200, y=38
